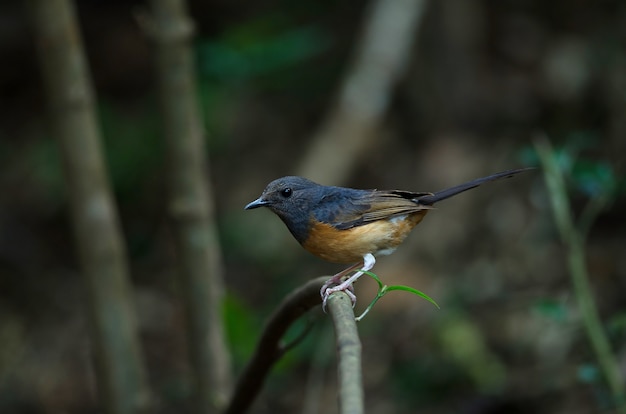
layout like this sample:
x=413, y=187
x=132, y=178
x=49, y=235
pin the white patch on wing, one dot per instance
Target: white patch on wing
x=397, y=219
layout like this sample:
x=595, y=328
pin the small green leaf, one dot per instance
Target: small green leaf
x=414, y=291
x=383, y=289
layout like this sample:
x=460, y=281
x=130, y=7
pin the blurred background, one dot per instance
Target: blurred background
x=472, y=86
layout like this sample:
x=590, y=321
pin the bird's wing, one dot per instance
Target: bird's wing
x=376, y=205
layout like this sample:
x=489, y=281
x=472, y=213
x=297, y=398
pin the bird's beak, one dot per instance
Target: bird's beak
x=259, y=202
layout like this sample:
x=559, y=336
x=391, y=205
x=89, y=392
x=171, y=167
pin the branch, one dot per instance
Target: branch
x=349, y=354
x=574, y=241
x=191, y=203
x=380, y=59
x=269, y=349
x=93, y=215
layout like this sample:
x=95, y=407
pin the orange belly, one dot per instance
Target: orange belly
x=350, y=245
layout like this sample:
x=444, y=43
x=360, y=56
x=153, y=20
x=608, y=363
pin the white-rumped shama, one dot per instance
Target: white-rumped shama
x=346, y=225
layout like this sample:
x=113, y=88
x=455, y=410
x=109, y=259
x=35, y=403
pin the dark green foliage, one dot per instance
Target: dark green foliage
x=133, y=147
x=257, y=49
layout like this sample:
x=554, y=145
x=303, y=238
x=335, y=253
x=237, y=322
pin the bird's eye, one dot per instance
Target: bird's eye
x=286, y=192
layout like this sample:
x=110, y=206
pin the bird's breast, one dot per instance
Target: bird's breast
x=378, y=237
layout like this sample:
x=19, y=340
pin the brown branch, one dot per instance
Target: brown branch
x=348, y=354
x=95, y=222
x=191, y=202
x=269, y=349
x=364, y=95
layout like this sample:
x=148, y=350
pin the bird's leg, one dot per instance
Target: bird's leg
x=346, y=285
x=336, y=279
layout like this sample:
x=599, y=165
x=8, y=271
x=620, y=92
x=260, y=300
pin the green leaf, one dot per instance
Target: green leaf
x=383, y=289
x=414, y=291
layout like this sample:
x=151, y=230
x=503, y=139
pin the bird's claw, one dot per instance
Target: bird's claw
x=326, y=291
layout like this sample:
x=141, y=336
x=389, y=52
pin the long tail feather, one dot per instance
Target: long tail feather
x=452, y=191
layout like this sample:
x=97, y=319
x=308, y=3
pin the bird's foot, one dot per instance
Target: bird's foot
x=346, y=286
x=336, y=284
x=327, y=290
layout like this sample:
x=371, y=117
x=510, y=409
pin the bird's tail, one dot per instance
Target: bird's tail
x=452, y=191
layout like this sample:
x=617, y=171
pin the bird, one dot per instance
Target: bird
x=353, y=226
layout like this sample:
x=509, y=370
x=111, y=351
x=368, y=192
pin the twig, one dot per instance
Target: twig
x=191, y=202
x=269, y=349
x=349, y=354
x=96, y=226
x=364, y=94
x=574, y=240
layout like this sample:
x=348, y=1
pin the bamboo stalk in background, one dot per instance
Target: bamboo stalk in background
x=191, y=202
x=97, y=231
x=380, y=57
